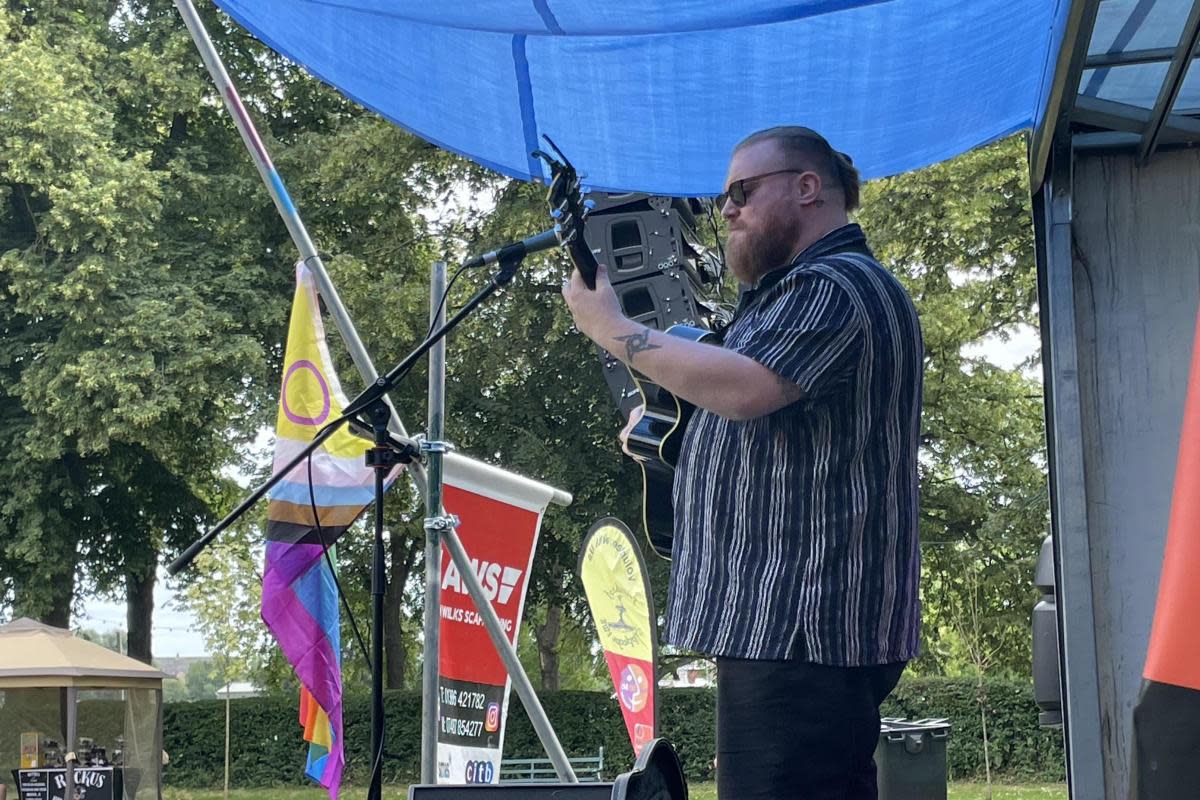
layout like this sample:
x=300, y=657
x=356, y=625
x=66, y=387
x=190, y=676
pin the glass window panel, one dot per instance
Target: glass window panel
x=1124, y=25
x=1135, y=84
x=142, y=758
x=100, y=720
x=1188, y=101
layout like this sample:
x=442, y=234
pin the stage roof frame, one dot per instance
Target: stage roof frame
x=1126, y=79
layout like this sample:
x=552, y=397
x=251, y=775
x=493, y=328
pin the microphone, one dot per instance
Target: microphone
x=518, y=250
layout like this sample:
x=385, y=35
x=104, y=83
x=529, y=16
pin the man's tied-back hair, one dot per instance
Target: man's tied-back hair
x=806, y=148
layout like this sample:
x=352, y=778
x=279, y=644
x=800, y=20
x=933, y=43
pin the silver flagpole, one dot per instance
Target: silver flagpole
x=439, y=528
x=430, y=662
x=291, y=217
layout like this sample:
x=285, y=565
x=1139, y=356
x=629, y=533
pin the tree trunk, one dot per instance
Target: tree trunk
x=547, y=640
x=62, y=582
x=139, y=612
x=981, y=694
x=403, y=553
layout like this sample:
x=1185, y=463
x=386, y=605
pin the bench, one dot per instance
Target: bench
x=541, y=770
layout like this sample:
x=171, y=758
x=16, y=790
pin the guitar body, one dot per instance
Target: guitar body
x=655, y=442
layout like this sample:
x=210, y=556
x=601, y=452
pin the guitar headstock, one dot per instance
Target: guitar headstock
x=569, y=210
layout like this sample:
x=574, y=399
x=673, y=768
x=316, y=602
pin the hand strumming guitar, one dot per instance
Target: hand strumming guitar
x=635, y=416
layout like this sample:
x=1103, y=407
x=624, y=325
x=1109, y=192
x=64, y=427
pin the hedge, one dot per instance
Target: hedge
x=266, y=748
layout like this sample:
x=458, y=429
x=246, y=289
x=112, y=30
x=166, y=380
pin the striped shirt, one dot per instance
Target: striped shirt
x=796, y=532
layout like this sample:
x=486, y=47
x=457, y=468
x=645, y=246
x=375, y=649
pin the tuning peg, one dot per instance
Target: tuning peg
x=590, y=205
x=556, y=213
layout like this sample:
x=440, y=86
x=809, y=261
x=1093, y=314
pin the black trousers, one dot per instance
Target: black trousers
x=791, y=730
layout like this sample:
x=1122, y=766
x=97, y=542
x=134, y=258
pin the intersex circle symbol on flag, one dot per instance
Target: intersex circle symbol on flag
x=305, y=395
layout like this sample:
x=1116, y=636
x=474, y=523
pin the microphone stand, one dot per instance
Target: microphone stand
x=382, y=457
x=360, y=404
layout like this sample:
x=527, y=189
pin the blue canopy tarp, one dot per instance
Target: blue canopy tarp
x=651, y=96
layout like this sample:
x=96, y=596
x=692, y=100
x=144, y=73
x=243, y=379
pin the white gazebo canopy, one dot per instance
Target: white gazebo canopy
x=36, y=655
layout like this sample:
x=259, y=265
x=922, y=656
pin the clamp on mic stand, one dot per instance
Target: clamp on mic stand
x=385, y=454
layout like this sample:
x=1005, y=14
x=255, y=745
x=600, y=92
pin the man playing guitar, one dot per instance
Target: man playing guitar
x=795, y=497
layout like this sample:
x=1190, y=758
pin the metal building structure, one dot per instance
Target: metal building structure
x=1116, y=181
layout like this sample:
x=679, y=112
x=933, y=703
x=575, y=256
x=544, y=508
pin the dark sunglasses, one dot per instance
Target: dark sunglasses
x=738, y=194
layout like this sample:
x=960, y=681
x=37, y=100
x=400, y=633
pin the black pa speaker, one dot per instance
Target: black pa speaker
x=658, y=301
x=637, y=235
x=657, y=267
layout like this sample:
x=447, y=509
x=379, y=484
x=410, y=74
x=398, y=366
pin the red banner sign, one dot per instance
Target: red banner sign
x=499, y=537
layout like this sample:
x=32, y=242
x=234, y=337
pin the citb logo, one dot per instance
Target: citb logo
x=479, y=771
x=635, y=688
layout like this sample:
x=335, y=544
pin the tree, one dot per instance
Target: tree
x=959, y=235
x=142, y=288
x=226, y=595
x=110, y=639
x=577, y=661
x=204, y=679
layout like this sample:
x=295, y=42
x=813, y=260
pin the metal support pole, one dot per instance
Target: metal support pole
x=72, y=734
x=439, y=529
x=291, y=217
x=228, y=710
x=1068, y=490
x=433, y=549
x=533, y=707
x=378, y=585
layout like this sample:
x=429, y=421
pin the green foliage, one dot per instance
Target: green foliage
x=581, y=663
x=959, y=235
x=226, y=594
x=1019, y=749
x=203, y=679
x=137, y=291
x=267, y=747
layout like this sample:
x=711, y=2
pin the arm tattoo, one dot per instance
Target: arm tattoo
x=791, y=392
x=636, y=343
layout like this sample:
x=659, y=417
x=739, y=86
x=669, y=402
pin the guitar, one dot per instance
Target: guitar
x=654, y=443
x=655, y=440
x=569, y=211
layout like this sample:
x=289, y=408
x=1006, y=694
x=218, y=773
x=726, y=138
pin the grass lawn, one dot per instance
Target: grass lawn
x=978, y=791
x=700, y=791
